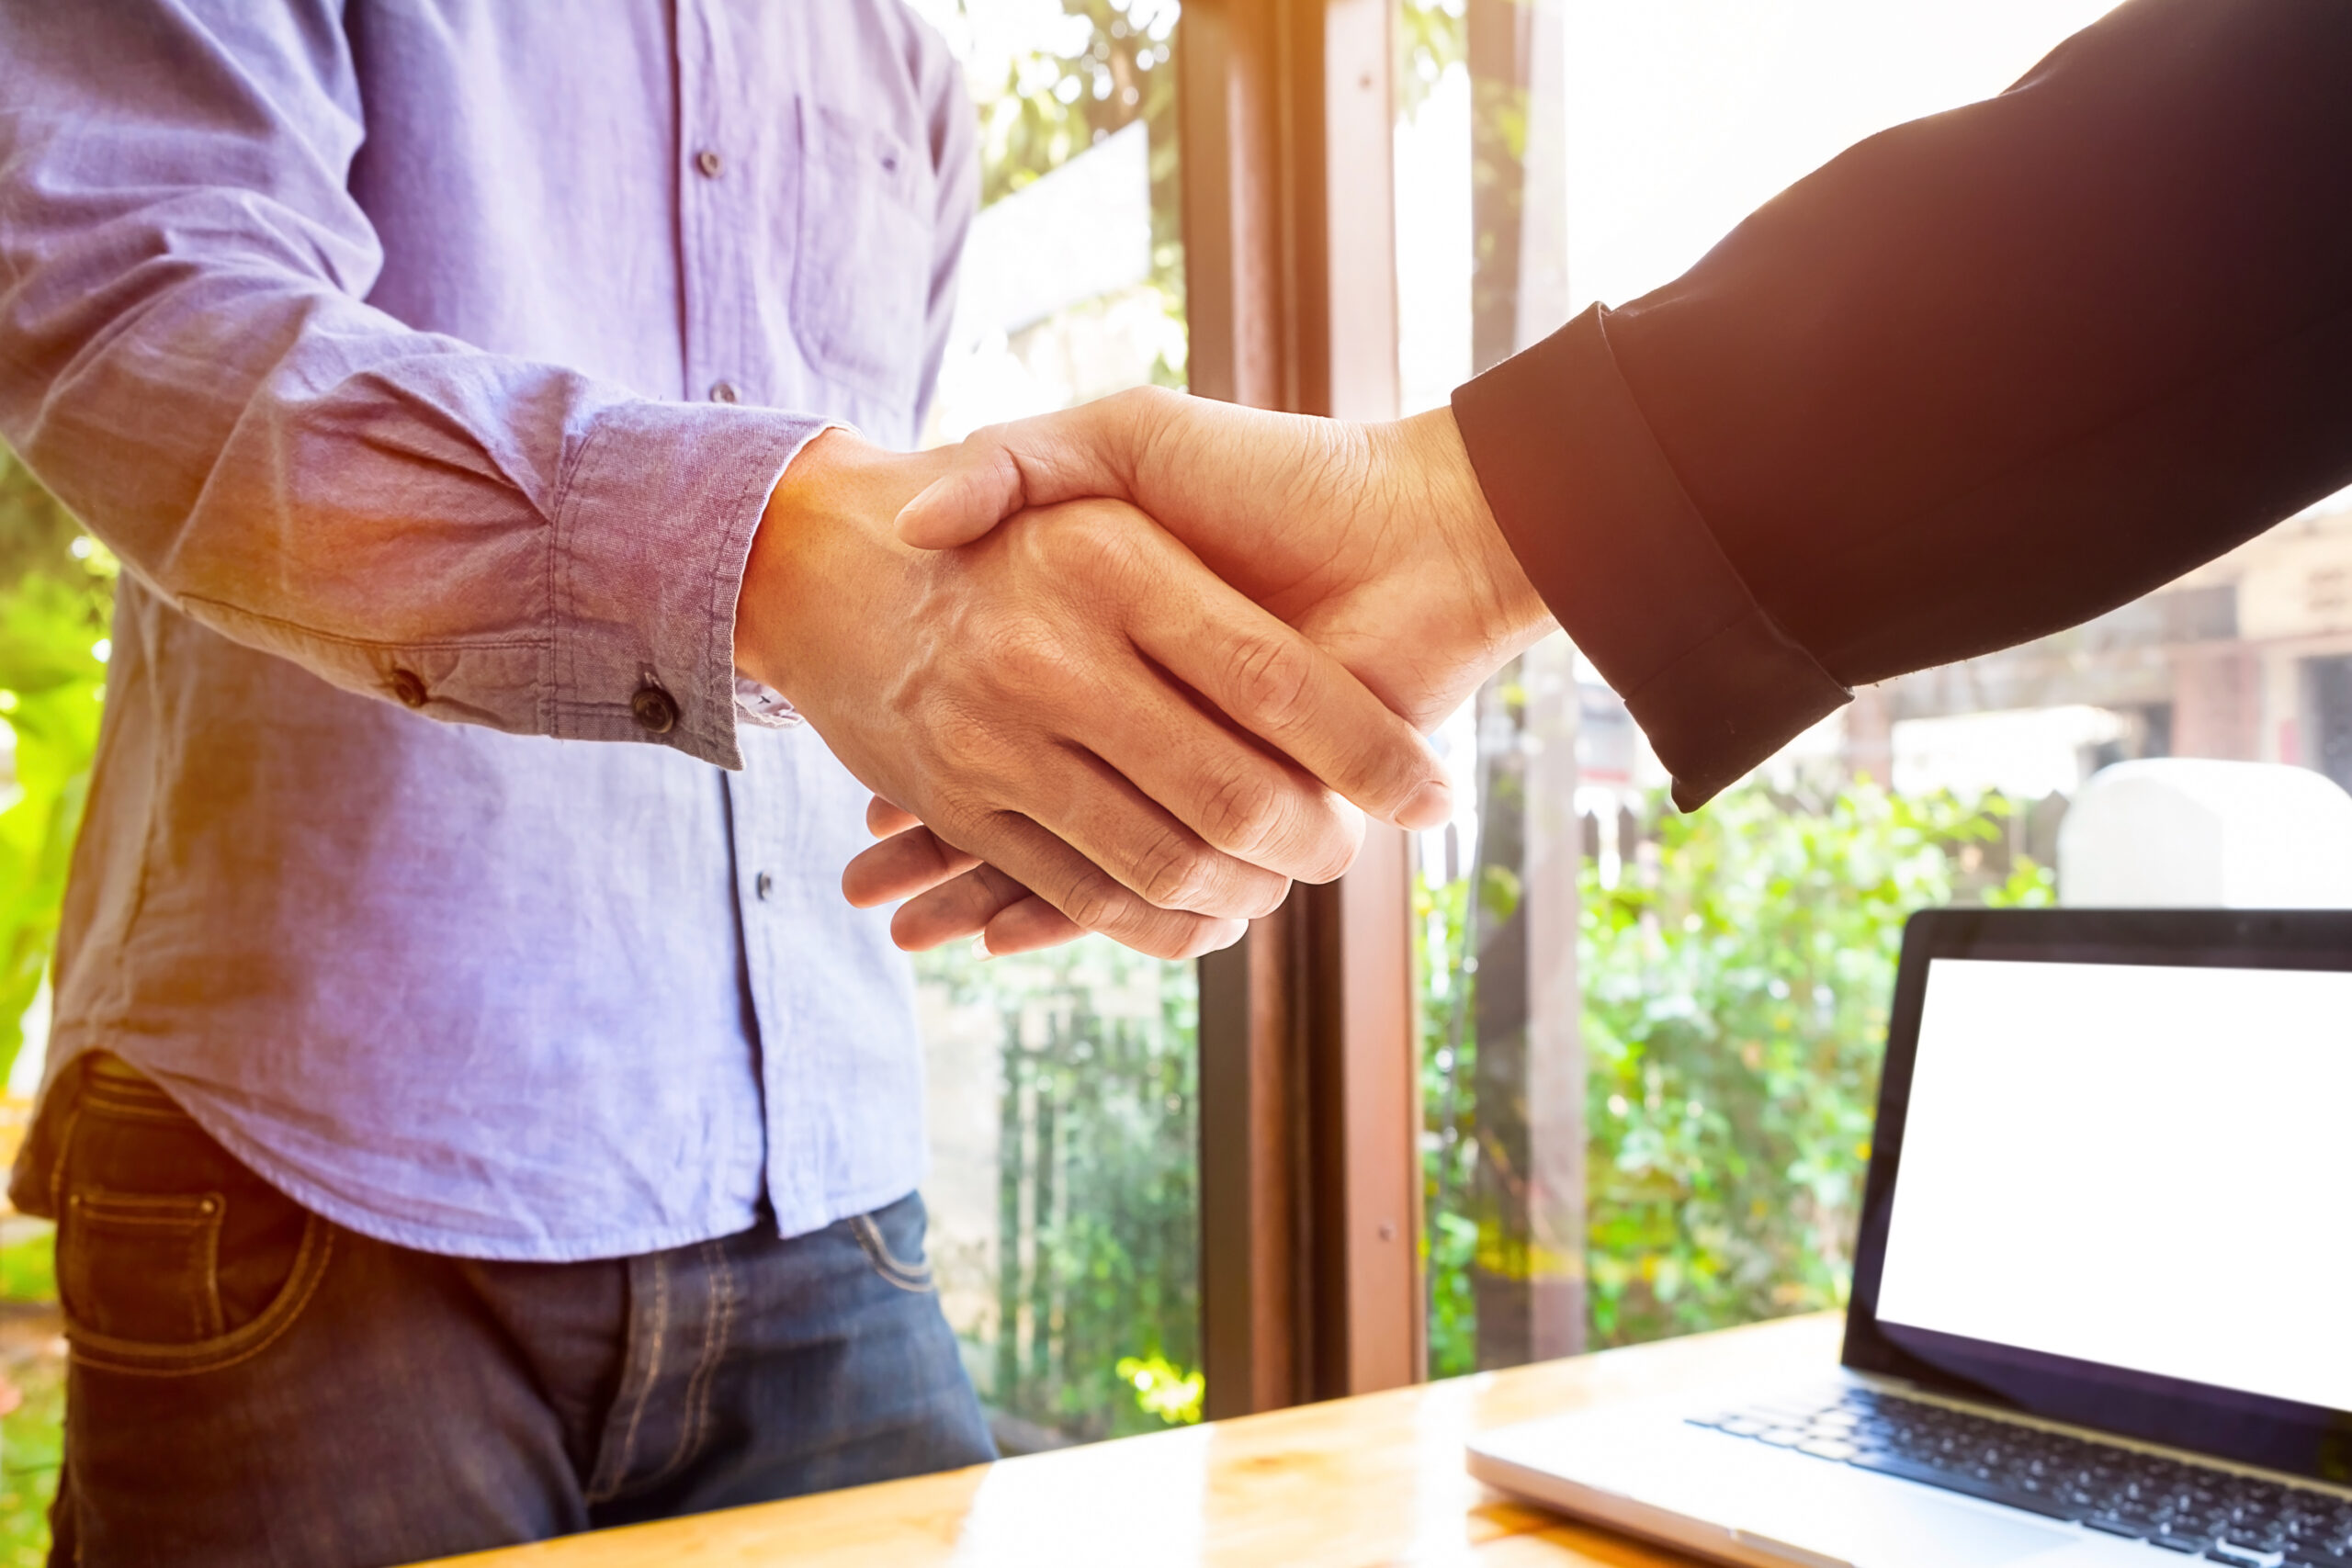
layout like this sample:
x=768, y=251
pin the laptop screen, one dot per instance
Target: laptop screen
x=2119, y=1190
x=2142, y=1166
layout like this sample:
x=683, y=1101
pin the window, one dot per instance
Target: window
x=1063, y=1191
x=1650, y=1041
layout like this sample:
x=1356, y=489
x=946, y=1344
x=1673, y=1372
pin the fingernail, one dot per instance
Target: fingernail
x=1430, y=807
x=980, y=946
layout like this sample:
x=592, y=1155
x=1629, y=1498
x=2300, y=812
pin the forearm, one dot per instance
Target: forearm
x=1981, y=377
x=187, y=359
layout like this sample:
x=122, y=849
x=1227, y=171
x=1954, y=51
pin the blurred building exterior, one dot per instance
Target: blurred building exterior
x=2247, y=658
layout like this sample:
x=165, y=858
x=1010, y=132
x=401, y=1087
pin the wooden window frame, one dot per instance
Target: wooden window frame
x=1310, y=1113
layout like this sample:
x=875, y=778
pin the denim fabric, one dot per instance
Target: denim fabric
x=429, y=363
x=253, y=1384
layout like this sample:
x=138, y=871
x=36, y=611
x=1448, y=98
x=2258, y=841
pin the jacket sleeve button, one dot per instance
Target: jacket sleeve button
x=655, y=710
x=408, y=688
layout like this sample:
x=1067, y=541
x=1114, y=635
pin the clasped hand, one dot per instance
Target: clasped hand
x=1122, y=669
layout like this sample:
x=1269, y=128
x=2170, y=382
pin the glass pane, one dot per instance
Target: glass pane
x=1733, y=968
x=1063, y=1189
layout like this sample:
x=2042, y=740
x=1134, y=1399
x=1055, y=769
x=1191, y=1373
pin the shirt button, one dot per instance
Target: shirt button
x=408, y=688
x=709, y=162
x=655, y=710
x=722, y=391
x=764, y=885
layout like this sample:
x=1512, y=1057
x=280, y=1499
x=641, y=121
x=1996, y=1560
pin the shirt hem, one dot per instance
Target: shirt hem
x=393, y=1232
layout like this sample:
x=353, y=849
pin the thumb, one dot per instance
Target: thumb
x=1038, y=461
x=981, y=490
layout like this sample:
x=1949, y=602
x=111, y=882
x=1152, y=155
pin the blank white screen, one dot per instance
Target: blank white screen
x=2146, y=1167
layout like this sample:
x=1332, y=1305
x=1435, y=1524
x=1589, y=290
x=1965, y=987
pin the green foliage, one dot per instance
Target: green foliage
x=1735, y=989
x=1735, y=984
x=1449, y=1237
x=32, y=1436
x=1446, y=977
x=1097, y=1274
x=1160, y=1389
x=29, y=1265
x=1115, y=64
x=1435, y=34
x=56, y=596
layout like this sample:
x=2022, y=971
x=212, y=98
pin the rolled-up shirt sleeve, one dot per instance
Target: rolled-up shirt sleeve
x=1981, y=377
x=187, y=359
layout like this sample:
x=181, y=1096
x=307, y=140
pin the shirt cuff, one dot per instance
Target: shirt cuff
x=652, y=533
x=1604, y=530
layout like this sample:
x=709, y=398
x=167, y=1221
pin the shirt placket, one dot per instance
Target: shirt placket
x=720, y=191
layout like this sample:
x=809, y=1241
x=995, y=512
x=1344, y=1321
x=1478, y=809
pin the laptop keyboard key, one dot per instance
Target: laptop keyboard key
x=2176, y=1506
x=1967, y=1485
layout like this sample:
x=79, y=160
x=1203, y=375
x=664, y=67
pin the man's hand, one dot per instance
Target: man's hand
x=1373, y=540
x=1072, y=699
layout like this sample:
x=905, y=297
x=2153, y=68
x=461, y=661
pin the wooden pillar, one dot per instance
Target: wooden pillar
x=1309, y=1109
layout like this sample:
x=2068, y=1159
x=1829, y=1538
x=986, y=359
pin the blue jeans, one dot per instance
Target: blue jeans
x=253, y=1384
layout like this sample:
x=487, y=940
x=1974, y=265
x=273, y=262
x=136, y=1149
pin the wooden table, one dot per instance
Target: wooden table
x=1377, y=1479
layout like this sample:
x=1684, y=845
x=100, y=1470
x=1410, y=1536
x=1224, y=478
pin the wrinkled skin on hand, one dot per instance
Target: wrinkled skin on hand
x=1073, y=697
x=1373, y=541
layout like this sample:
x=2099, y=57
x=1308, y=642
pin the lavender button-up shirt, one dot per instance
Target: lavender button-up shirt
x=428, y=363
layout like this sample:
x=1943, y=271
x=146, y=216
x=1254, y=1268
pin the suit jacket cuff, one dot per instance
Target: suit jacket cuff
x=1605, y=532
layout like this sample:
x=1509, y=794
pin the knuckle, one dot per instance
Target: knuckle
x=1031, y=654
x=1273, y=679
x=1165, y=934
x=1177, y=944
x=1246, y=814
x=1082, y=542
x=1097, y=903
x=1174, y=873
x=965, y=745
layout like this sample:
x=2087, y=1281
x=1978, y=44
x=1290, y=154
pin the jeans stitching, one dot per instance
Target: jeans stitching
x=199, y=1215
x=209, y=1240
x=57, y=1166
x=723, y=1274
x=132, y=1101
x=915, y=1279
x=97, y=1351
x=717, y=1316
x=613, y=1475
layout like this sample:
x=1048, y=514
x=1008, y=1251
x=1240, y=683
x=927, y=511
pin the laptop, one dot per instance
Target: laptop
x=2102, y=1301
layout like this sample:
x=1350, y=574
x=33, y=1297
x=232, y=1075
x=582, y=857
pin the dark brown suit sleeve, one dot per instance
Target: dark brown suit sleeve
x=1981, y=377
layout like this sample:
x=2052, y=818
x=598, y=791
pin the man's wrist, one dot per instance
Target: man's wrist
x=1505, y=611
x=824, y=541
x=760, y=607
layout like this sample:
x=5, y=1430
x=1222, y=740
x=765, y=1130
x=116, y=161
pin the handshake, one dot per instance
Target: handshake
x=1134, y=668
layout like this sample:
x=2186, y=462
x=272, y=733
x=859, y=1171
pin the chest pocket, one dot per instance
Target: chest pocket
x=861, y=276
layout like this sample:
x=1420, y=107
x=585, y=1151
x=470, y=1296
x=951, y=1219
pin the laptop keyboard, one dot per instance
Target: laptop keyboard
x=2178, y=1506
